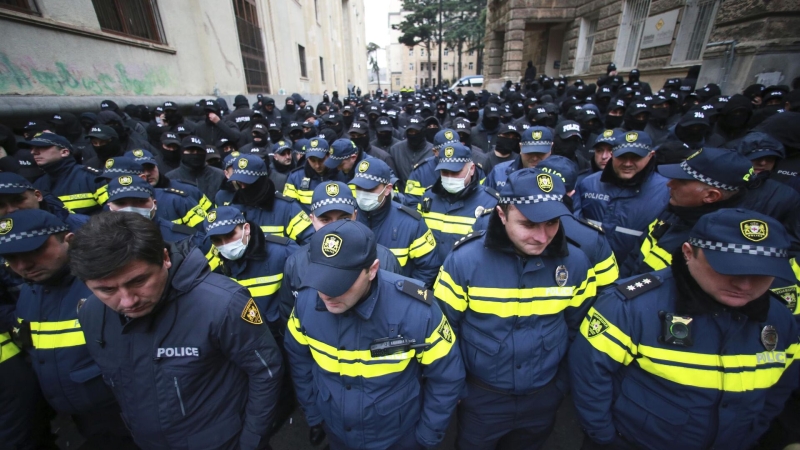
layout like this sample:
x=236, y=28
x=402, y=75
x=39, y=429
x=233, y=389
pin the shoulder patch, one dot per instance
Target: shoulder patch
x=469, y=237
x=492, y=192
x=92, y=170
x=251, y=314
x=416, y=292
x=638, y=286
x=176, y=191
x=183, y=229
x=597, y=228
x=276, y=239
x=410, y=211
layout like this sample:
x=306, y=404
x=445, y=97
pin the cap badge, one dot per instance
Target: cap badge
x=331, y=245
x=109, y=163
x=126, y=180
x=212, y=216
x=314, y=143
x=363, y=166
x=537, y=135
x=632, y=137
x=242, y=163
x=448, y=135
x=755, y=230
x=608, y=133
x=6, y=225
x=545, y=182
x=562, y=275
x=235, y=154
x=281, y=143
x=332, y=189
x=330, y=152
x=138, y=153
x=449, y=151
x=769, y=337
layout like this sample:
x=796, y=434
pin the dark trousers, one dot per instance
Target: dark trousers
x=104, y=428
x=489, y=420
x=24, y=415
x=408, y=442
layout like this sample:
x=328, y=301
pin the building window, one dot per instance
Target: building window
x=135, y=18
x=251, y=45
x=698, y=16
x=434, y=67
x=422, y=52
x=630, y=33
x=301, y=52
x=471, y=52
x=446, y=66
x=316, y=10
x=28, y=6
x=411, y=52
x=471, y=66
x=422, y=66
x=322, y=69
x=410, y=66
x=397, y=81
x=446, y=51
x=588, y=32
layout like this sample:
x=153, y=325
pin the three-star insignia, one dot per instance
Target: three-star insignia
x=638, y=286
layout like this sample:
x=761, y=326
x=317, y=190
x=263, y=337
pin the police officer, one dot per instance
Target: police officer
x=193, y=168
x=360, y=341
x=34, y=244
x=451, y=206
x=398, y=227
x=75, y=185
x=535, y=147
x=186, y=351
x=698, y=355
x=626, y=196
x=516, y=312
x=302, y=181
x=343, y=157
x=261, y=204
x=18, y=193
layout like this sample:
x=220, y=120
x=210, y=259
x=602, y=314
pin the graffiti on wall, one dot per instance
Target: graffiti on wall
x=59, y=78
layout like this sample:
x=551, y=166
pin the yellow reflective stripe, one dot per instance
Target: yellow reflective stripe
x=448, y=224
x=297, y=225
x=7, y=347
x=422, y=245
x=449, y=292
x=654, y=256
x=796, y=270
x=621, y=350
x=213, y=258
x=262, y=286
x=78, y=201
x=413, y=187
x=205, y=203
x=302, y=196
x=401, y=254
x=65, y=333
x=102, y=194
x=351, y=363
x=606, y=272
x=276, y=230
x=439, y=347
x=290, y=191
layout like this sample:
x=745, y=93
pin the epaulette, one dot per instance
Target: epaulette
x=176, y=191
x=283, y=240
x=638, y=286
x=410, y=211
x=478, y=164
x=183, y=229
x=491, y=191
x=283, y=197
x=415, y=291
x=591, y=225
x=469, y=237
x=92, y=170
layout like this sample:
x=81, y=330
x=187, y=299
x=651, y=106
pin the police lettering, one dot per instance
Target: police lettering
x=597, y=196
x=786, y=172
x=572, y=127
x=771, y=357
x=177, y=352
x=242, y=119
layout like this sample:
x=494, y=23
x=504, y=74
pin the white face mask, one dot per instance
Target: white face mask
x=233, y=250
x=453, y=185
x=367, y=201
x=148, y=213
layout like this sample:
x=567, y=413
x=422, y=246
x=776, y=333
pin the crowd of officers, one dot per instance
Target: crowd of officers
x=183, y=282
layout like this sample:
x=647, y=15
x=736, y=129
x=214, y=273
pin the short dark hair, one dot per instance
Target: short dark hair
x=112, y=240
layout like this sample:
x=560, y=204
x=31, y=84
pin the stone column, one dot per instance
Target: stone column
x=512, y=50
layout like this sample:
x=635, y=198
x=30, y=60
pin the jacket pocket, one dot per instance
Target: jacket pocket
x=398, y=410
x=641, y=408
x=85, y=374
x=216, y=436
x=479, y=351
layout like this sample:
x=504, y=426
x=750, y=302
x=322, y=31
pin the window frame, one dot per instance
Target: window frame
x=301, y=56
x=31, y=8
x=322, y=69
x=153, y=19
x=585, y=50
x=686, y=36
x=634, y=15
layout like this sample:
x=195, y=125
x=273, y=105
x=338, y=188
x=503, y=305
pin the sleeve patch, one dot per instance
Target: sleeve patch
x=445, y=331
x=597, y=325
x=251, y=314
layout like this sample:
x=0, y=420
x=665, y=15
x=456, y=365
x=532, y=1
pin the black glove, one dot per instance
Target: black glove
x=316, y=434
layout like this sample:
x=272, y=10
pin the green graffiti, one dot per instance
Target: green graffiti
x=60, y=80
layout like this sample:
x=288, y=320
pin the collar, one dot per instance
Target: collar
x=691, y=215
x=364, y=307
x=58, y=168
x=609, y=176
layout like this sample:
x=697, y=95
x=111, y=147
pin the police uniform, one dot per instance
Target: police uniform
x=623, y=209
x=660, y=364
x=361, y=371
x=397, y=227
x=49, y=331
x=450, y=216
x=75, y=185
x=515, y=316
x=302, y=181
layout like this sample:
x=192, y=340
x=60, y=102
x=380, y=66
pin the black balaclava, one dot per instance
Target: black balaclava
x=505, y=145
x=110, y=150
x=473, y=116
x=691, y=135
x=659, y=115
x=384, y=137
x=362, y=141
x=566, y=147
x=275, y=135
x=490, y=123
x=312, y=132
x=171, y=156
x=416, y=141
x=194, y=161
x=348, y=119
x=262, y=139
x=735, y=114
x=290, y=108
x=634, y=124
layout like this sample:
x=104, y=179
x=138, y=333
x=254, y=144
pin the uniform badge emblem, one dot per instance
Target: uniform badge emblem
x=754, y=230
x=6, y=225
x=314, y=143
x=109, y=163
x=608, y=133
x=632, y=136
x=597, y=325
x=235, y=154
x=479, y=211
x=332, y=189
x=212, y=216
x=331, y=245
x=126, y=180
x=449, y=151
x=562, y=275
x=242, y=163
x=429, y=239
x=545, y=182
x=537, y=135
x=251, y=314
x=281, y=143
x=789, y=295
x=448, y=135
x=445, y=331
x=769, y=337
x=138, y=153
x=330, y=152
x=363, y=166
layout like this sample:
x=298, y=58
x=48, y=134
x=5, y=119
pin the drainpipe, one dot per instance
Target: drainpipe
x=729, y=57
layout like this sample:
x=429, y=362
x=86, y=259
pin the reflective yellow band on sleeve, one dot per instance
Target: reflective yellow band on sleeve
x=295, y=329
x=654, y=256
x=401, y=254
x=440, y=343
x=620, y=348
x=52, y=335
x=413, y=187
x=7, y=347
x=262, y=286
x=79, y=201
x=422, y=245
x=606, y=272
x=449, y=292
x=448, y=224
x=297, y=225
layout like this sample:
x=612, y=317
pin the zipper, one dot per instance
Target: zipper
x=264, y=363
x=180, y=400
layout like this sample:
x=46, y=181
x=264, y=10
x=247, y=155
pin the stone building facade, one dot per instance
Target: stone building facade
x=737, y=42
